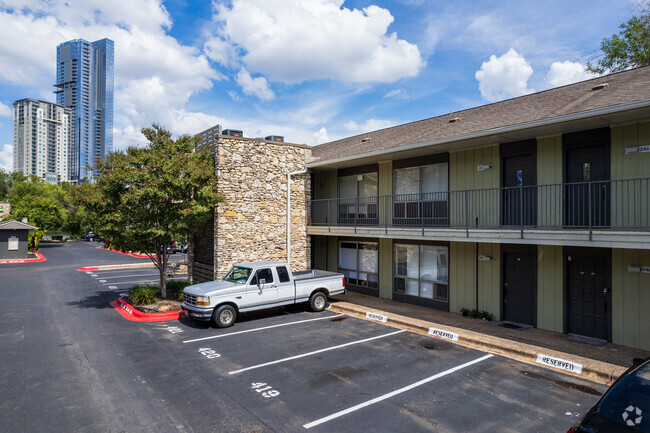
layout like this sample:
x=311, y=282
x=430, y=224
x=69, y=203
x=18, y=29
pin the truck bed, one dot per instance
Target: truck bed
x=313, y=273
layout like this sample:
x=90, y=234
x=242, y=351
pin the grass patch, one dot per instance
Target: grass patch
x=175, y=289
x=145, y=295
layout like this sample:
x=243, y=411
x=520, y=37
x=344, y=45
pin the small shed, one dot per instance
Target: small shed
x=13, y=239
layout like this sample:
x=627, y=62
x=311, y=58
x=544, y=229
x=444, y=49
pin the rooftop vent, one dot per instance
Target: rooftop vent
x=454, y=119
x=233, y=132
x=275, y=138
x=363, y=140
x=600, y=86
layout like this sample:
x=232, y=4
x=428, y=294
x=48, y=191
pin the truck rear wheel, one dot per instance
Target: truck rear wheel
x=318, y=301
x=224, y=316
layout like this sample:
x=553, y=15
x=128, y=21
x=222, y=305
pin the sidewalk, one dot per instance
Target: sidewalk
x=601, y=364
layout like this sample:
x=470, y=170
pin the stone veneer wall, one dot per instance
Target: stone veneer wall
x=251, y=222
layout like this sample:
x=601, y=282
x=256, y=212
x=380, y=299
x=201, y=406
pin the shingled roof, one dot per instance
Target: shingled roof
x=607, y=91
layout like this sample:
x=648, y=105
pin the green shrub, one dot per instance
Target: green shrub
x=476, y=314
x=143, y=295
x=175, y=289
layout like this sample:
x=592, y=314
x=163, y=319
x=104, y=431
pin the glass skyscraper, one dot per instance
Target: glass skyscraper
x=84, y=82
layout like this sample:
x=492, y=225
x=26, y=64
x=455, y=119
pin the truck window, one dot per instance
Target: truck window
x=283, y=274
x=238, y=275
x=262, y=274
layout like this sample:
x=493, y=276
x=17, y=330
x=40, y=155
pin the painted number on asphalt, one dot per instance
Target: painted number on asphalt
x=174, y=330
x=208, y=353
x=264, y=389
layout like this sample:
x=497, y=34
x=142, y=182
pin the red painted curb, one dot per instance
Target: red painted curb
x=88, y=268
x=40, y=258
x=140, y=256
x=129, y=312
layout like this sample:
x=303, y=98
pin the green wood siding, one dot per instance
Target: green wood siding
x=630, y=199
x=325, y=184
x=549, y=172
x=634, y=165
x=550, y=284
x=484, y=207
x=489, y=279
x=332, y=253
x=385, y=186
x=385, y=268
x=462, y=276
x=630, y=299
x=319, y=248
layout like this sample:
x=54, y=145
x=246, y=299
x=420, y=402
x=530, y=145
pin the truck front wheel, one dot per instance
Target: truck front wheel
x=224, y=316
x=318, y=301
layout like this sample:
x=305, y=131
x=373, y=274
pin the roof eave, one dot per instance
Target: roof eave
x=582, y=115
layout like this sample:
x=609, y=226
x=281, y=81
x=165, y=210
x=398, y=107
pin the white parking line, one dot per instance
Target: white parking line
x=314, y=352
x=394, y=393
x=260, y=329
x=142, y=281
x=134, y=275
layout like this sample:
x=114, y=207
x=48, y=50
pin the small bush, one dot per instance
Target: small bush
x=476, y=314
x=143, y=295
x=175, y=289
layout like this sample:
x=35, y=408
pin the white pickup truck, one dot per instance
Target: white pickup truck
x=256, y=286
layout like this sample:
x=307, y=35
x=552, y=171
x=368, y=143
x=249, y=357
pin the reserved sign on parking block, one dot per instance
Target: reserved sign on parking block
x=377, y=317
x=561, y=364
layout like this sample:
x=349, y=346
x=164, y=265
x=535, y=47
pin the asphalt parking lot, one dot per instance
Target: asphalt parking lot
x=121, y=280
x=295, y=370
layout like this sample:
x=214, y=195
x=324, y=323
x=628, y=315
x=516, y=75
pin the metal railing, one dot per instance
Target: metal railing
x=613, y=204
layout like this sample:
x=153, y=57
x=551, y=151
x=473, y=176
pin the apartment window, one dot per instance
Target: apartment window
x=359, y=262
x=421, y=271
x=358, y=193
x=420, y=194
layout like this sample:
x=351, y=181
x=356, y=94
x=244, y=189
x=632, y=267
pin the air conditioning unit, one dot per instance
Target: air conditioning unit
x=233, y=132
x=274, y=138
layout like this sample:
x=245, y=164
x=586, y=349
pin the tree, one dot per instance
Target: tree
x=146, y=198
x=630, y=48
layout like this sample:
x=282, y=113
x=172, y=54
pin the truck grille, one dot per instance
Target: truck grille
x=189, y=299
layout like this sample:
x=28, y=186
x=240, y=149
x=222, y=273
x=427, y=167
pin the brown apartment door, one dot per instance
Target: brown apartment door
x=520, y=284
x=589, y=295
x=587, y=193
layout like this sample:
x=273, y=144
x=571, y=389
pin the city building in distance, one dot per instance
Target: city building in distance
x=84, y=83
x=42, y=139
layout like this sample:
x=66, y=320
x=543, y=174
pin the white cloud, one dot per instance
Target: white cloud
x=321, y=136
x=397, y=94
x=563, y=73
x=7, y=157
x=257, y=86
x=155, y=75
x=234, y=96
x=504, y=77
x=295, y=40
x=5, y=110
x=369, y=125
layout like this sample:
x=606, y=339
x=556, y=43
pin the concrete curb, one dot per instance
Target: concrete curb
x=129, y=312
x=597, y=371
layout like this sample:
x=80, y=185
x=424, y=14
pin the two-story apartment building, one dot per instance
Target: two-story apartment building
x=535, y=209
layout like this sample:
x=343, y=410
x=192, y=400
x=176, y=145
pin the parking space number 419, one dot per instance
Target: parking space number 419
x=265, y=390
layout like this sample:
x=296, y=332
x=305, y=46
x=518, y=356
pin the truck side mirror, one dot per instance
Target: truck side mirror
x=262, y=281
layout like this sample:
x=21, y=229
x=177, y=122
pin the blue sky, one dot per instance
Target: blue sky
x=310, y=70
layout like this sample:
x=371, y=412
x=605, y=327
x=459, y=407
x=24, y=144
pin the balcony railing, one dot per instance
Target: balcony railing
x=615, y=204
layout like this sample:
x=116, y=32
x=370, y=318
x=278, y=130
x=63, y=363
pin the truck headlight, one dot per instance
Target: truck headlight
x=202, y=300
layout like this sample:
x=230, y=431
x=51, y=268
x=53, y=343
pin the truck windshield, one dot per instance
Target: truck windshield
x=238, y=275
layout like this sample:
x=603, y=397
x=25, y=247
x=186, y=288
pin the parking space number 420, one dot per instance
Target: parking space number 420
x=265, y=390
x=208, y=353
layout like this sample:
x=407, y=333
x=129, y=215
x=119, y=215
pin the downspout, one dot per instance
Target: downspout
x=293, y=173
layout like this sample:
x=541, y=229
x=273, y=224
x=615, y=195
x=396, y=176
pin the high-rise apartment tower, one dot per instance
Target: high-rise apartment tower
x=42, y=139
x=84, y=82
